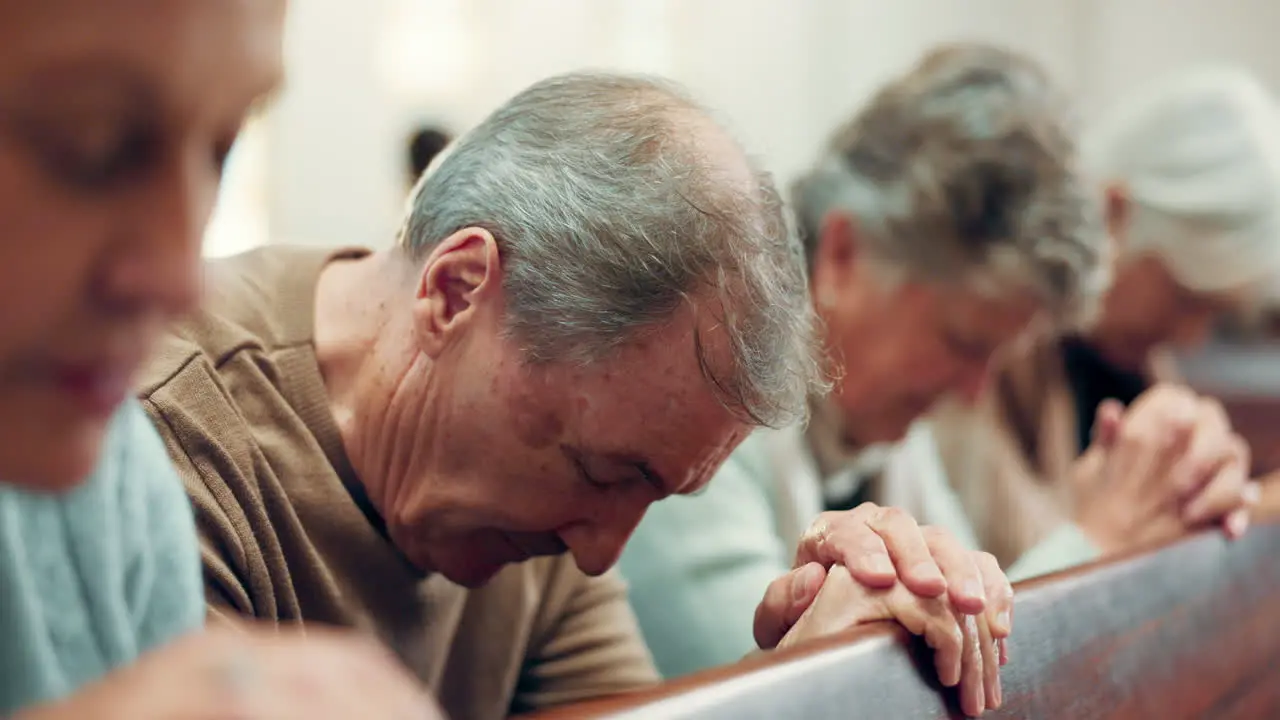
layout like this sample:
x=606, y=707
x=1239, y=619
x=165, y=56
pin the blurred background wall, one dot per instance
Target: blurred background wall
x=326, y=165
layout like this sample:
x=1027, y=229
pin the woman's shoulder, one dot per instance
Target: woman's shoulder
x=102, y=492
x=135, y=465
x=132, y=481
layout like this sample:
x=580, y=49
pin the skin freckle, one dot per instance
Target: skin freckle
x=534, y=420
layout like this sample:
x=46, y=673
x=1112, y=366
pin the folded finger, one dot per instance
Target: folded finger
x=815, y=544
x=999, y=610
x=1158, y=426
x=963, y=580
x=862, y=550
x=917, y=565
x=1236, y=524
x=1212, y=447
x=990, y=663
x=973, y=694
x=1106, y=423
x=933, y=620
x=1226, y=492
x=785, y=600
x=1166, y=458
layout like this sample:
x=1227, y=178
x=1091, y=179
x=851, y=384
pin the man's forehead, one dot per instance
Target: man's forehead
x=714, y=455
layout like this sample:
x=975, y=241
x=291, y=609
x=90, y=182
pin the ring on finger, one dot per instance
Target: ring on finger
x=821, y=531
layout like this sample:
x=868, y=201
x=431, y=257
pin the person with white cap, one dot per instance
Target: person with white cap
x=1190, y=172
x=944, y=221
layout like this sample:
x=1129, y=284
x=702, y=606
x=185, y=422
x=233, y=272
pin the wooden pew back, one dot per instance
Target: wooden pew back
x=1188, y=631
x=1247, y=381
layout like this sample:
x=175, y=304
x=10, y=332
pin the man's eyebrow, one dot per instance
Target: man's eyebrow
x=642, y=466
x=653, y=477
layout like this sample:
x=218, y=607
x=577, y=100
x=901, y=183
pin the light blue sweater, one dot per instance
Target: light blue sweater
x=91, y=579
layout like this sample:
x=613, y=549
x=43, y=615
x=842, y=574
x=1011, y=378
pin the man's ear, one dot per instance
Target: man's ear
x=460, y=279
x=1117, y=212
x=835, y=256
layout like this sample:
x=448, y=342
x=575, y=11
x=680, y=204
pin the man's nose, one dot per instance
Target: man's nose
x=596, y=546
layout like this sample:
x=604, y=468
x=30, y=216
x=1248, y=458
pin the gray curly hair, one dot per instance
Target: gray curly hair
x=964, y=170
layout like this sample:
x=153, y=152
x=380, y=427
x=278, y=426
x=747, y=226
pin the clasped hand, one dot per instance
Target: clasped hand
x=1169, y=464
x=875, y=563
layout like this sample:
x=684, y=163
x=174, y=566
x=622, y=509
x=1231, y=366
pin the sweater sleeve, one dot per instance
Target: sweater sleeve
x=164, y=579
x=221, y=557
x=1063, y=548
x=699, y=565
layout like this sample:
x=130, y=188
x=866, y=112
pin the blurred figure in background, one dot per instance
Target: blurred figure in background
x=946, y=221
x=1189, y=169
x=115, y=119
x=425, y=144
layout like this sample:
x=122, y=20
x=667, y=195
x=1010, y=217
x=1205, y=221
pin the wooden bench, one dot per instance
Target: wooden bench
x=1188, y=631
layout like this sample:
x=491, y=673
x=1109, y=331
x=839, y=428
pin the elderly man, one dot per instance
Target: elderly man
x=593, y=300
x=944, y=222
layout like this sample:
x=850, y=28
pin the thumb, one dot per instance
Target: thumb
x=785, y=601
x=1106, y=423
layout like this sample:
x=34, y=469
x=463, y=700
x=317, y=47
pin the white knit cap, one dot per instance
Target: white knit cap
x=1199, y=157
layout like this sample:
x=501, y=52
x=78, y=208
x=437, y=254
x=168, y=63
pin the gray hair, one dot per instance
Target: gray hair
x=609, y=218
x=964, y=170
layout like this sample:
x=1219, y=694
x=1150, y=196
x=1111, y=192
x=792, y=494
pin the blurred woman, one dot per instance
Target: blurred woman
x=115, y=119
x=1190, y=171
x=946, y=221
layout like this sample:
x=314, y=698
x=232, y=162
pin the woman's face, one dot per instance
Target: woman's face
x=1146, y=308
x=115, y=118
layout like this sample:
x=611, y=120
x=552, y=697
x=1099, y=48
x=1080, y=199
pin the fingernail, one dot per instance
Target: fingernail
x=1237, y=524
x=926, y=571
x=1251, y=493
x=881, y=565
x=1002, y=619
x=973, y=589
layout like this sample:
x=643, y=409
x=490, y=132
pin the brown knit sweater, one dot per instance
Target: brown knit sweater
x=237, y=394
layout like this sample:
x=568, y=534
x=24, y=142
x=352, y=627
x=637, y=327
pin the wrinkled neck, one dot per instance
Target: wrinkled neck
x=379, y=384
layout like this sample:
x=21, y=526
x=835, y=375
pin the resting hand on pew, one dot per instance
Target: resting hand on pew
x=871, y=564
x=254, y=672
x=1169, y=464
